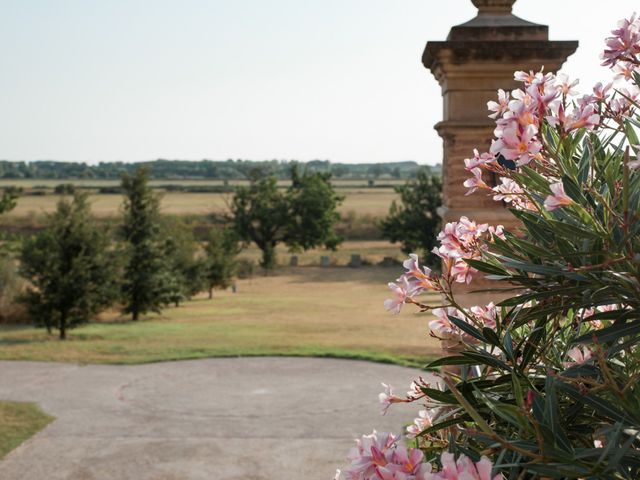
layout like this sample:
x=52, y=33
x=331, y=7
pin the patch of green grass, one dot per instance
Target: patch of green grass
x=19, y=421
x=305, y=311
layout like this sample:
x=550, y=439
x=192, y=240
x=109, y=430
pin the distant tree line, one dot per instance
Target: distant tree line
x=205, y=169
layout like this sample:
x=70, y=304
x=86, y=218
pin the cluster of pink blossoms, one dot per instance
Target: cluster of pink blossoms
x=623, y=48
x=519, y=118
x=413, y=282
x=464, y=240
x=379, y=456
x=459, y=241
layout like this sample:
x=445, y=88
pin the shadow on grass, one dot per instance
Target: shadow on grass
x=17, y=341
x=34, y=335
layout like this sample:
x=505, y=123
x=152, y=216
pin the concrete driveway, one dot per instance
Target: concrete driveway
x=216, y=419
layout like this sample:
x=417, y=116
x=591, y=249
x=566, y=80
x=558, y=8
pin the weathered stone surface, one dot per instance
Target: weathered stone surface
x=480, y=57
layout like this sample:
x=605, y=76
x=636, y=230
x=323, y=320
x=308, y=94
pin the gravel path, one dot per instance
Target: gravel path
x=216, y=419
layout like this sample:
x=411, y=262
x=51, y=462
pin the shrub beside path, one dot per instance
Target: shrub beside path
x=226, y=418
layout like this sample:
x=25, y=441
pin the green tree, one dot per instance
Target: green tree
x=145, y=286
x=184, y=271
x=261, y=215
x=302, y=217
x=220, y=258
x=7, y=201
x=70, y=268
x=313, y=211
x=415, y=221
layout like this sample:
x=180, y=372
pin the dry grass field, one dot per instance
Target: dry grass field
x=373, y=202
x=18, y=422
x=308, y=311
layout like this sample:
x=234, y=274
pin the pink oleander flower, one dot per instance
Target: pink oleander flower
x=565, y=86
x=380, y=457
x=400, y=294
x=523, y=111
x=459, y=241
x=624, y=71
x=479, y=160
x=601, y=92
x=510, y=192
x=546, y=94
x=463, y=469
x=371, y=451
x=462, y=272
x=469, y=230
x=424, y=278
x=428, y=380
x=475, y=182
x=499, y=107
x=497, y=231
x=443, y=328
x=558, y=198
x=387, y=398
x=486, y=315
x=624, y=45
x=622, y=105
x=423, y=421
x=533, y=78
x=517, y=144
x=405, y=464
x=578, y=355
x=582, y=117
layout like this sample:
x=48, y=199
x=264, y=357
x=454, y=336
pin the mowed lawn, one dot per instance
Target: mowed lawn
x=18, y=422
x=309, y=311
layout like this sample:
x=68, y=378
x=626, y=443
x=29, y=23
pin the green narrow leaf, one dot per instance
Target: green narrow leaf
x=602, y=406
x=469, y=329
x=445, y=424
x=610, y=334
x=452, y=360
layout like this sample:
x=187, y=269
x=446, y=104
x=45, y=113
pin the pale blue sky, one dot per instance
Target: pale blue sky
x=91, y=80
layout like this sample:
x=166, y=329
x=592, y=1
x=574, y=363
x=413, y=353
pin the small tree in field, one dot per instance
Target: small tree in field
x=260, y=215
x=313, y=208
x=220, y=263
x=70, y=268
x=7, y=201
x=302, y=217
x=145, y=285
x=184, y=271
x=415, y=221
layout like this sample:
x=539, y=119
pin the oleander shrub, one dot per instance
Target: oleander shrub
x=543, y=384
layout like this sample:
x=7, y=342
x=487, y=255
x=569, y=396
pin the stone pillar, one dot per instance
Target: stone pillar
x=478, y=58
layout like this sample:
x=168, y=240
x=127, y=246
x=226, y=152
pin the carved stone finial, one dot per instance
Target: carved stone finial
x=494, y=6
